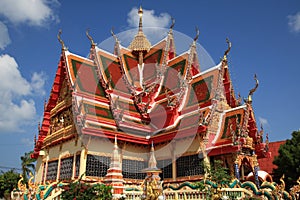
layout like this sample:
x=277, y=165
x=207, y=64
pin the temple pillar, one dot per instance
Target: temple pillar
x=242, y=172
x=236, y=170
x=173, y=162
x=58, y=167
x=74, y=166
x=46, y=170
x=82, y=168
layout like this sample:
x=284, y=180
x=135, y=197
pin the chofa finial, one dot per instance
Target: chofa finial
x=90, y=37
x=197, y=34
x=251, y=92
x=113, y=34
x=228, y=49
x=173, y=23
x=63, y=47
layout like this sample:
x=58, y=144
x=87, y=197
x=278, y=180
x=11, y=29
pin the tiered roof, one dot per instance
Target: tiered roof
x=147, y=93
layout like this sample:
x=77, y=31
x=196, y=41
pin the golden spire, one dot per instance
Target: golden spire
x=140, y=13
x=140, y=43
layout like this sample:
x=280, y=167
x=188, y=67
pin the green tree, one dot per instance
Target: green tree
x=8, y=181
x=288, y=161
x=27, y=165
x=220, y=174
x=84, y=191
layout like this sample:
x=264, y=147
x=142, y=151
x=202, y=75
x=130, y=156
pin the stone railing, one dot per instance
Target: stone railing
x=227, y=193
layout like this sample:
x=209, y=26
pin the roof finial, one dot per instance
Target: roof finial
x=228, y=49
x=251, y=92
x=197, y=34
x=90, y=37
x=140, y=43
x=113, y=34
x=63, y=47
x=140, y=12
x=173, y=23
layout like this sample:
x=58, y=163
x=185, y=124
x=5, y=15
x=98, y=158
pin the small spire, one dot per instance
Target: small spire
x=140, y=12
x=45, y=104
x=152, y=164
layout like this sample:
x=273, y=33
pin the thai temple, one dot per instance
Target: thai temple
x=144, y=112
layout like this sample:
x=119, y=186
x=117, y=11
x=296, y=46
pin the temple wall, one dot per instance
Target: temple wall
x=56, y=153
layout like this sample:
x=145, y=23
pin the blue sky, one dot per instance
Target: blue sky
x=265, y=36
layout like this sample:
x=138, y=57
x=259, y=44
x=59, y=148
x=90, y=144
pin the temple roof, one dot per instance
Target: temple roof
x=162, y=97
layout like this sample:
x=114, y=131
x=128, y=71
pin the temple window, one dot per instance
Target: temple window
x=97, y=165
x=52, y=170
x=133, y=169
x=66, y=168
x=166, y=167
x=194, y=163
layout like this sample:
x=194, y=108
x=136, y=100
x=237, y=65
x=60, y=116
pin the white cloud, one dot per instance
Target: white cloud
x=150, y=19
x=263, y=121
x=38, y=83
x=294, y=22
x=33, y=12
x=17, y=107
x=4, y=36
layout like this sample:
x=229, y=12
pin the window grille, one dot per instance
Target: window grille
x=52, y=170
x=189, y=166
x=66, y=168
x=166, y=167
x=97, y=165
x=133, y=169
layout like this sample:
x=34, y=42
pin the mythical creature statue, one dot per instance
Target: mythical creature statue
x=152, y=188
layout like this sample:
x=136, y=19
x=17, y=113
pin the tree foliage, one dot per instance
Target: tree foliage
x=85, y=191
x=8, y=181
x=27, y=165
x=288, y=161
x=220, y=174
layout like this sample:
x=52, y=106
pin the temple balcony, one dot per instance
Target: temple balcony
x=60, y=135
